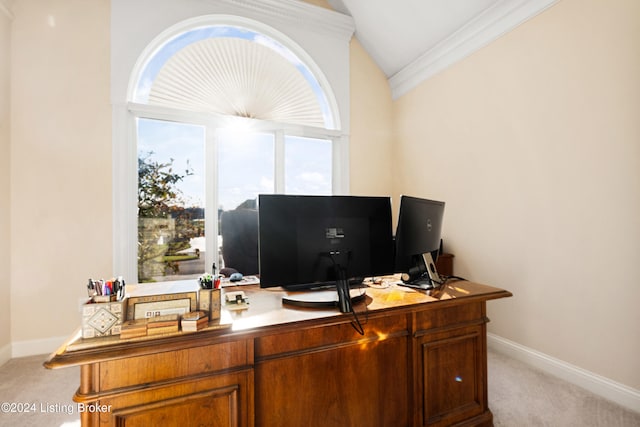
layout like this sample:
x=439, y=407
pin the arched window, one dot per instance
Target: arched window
x=234, y=71
x=223, y=111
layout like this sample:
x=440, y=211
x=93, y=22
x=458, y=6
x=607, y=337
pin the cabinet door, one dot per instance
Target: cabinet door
x=331, y=376
x=343, y=387
x=452, y=371
x=216, y=408
x=224, y=400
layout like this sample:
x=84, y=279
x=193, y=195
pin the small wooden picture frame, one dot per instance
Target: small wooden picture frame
x=149, y=306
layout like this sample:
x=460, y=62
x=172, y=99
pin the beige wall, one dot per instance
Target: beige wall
x=5, y=307
x=370, y=169
x=60, y=162
x=534, y=143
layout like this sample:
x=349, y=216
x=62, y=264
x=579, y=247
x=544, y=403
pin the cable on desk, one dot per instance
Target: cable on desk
x=447, y=278
x=355, y=323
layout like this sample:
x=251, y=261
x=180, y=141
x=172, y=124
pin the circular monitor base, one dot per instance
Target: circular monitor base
x=321, y=299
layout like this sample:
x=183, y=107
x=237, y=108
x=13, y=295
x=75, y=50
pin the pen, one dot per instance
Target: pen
x=91, y=288
x=121, y=289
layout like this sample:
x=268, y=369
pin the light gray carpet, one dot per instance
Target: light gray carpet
x=25, y=382
x=518, y=396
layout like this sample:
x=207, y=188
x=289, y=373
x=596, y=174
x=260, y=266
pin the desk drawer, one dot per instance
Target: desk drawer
x=329, y=337
x=168, y=365
x=451, y=317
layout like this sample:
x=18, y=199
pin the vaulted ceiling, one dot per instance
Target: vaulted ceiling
x=411, y=40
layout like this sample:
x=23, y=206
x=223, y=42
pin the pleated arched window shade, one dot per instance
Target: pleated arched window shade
x=238, y=77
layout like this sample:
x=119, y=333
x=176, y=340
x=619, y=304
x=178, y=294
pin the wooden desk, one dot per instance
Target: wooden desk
x=421, y=361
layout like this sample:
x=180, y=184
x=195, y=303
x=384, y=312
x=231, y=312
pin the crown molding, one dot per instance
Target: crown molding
x=6, y=10
x=324, y=21
x=494, y=22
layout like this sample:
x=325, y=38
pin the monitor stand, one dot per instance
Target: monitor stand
x=343, y=297
x=322, y=299
x=427, y=275
x=431, y=269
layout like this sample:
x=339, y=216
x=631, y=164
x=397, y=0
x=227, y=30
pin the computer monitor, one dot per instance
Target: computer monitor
x=311, y=242
x=417, y=241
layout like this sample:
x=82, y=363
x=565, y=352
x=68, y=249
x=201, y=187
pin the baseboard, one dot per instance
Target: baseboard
x=608, y=389
x=36, y=347
x=5, y=354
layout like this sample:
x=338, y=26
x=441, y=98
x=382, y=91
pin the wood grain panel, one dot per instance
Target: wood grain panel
x=452, y=378
x=453, y=316
x=309, y=339
x=176, y=364
x=359, y=385
x=215, y=408
x=229, y=394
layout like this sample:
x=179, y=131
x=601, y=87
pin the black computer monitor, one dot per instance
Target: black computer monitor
x=311, y=242
x=417, y=241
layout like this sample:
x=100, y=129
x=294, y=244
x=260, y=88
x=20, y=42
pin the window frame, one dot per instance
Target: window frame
x=318, y=36
x=212, y=123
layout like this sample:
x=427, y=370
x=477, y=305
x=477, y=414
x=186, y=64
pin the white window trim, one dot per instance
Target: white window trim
x=321, y=41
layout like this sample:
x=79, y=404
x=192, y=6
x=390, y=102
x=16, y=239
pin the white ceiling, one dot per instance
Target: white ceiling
x=395, y=33
x=411, y=40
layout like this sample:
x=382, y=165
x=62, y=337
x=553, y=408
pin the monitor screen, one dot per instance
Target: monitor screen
x=419, y=231
x=303, y=238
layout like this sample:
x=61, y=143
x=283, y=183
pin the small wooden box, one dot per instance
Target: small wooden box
x=209, y=302
x=102, y=319
x=444, y=264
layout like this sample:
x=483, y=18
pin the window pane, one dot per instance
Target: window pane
x=246, y=163
x=171, y=200
x=245, y=167
x=307, y=166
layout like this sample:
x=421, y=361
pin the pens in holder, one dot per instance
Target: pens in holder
x=113, y=287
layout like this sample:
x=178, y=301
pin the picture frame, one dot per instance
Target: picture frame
x=149, y=306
